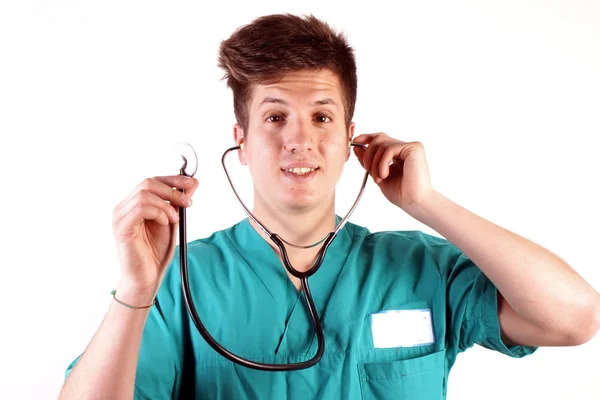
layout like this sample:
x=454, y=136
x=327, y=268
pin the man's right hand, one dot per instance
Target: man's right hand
x=145, y=228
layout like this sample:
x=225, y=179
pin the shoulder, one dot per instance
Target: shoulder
x=404, y=239
x=415, y=245
x=205, y=250
x=215, y=241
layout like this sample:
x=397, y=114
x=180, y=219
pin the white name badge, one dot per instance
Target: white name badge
x=402, y=328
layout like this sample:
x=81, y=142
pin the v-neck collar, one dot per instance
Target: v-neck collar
x=265, y=263
x=298, y=335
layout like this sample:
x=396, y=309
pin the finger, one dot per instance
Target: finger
x=365, y=138
x=178, y=181
x=396, y=170
x=147, y=198
x=367, y=156
x=190, y=192
x=376, y=170
x=370, y=155
x=140, y=213
x=144, y=198
x=162, y=186
x=186, y=183
x=386, y=160
x=360, y=154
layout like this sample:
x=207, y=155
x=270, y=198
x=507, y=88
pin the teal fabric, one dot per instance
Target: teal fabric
x=250, y=306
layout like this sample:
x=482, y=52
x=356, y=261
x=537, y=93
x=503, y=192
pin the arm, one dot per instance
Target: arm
x=542, y=301
x=145, y=227
x=107, y=368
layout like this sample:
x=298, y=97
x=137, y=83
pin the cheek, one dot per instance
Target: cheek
x=335, y=148
x=336, y=159
x=263, y=160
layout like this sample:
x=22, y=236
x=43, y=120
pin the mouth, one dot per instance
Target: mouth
x=300, y=173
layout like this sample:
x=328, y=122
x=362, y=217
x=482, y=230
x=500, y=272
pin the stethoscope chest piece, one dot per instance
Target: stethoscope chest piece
x=185, y=155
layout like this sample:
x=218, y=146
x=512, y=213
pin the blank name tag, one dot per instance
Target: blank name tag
x=402, y=328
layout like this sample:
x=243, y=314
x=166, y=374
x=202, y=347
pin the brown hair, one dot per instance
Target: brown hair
x=263, y=51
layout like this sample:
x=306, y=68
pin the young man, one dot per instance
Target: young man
x=396, y=307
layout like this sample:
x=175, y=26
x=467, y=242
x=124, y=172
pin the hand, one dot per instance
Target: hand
x=145, y=229
x=398, y=168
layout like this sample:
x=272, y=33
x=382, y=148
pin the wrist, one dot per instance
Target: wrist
x=423, y=211
x=135, y=296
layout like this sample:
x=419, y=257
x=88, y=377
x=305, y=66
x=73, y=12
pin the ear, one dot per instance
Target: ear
x=238, y=137
x=350, y=136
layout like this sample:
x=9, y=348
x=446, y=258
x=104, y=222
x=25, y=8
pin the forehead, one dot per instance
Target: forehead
x=303, y=86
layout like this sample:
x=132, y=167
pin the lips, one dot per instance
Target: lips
x=303, y=164
x=300, y=170
x=300, y=173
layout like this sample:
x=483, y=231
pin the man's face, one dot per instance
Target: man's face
x=297, y=142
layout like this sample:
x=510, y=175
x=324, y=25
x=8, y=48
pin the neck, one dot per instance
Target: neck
x=301, y=228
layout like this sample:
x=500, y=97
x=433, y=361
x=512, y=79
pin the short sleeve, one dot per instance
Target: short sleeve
x=156, y=374
x=71, y=366
x=471, y=302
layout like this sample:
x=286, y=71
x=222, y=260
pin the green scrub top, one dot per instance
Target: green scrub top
x=396, y=308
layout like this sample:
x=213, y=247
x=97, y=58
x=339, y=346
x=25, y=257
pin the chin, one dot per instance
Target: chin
x=299, y=205
x=299, y=202
x=303, y=202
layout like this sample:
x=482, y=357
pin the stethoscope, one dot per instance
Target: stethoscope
x=303, y=276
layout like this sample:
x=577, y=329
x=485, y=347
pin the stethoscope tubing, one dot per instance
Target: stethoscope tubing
x=303, y=276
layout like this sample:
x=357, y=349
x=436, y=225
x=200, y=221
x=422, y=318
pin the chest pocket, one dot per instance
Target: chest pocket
x=420, y=378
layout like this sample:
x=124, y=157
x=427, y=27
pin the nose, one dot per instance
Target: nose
x=299, y=136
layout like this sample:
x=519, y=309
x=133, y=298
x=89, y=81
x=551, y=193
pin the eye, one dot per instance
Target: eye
x=274, y=118
x=323, y=118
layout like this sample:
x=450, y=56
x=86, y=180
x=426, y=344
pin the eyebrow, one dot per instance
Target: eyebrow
x=276, y=100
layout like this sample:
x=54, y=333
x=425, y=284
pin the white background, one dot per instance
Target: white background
x=505, y=96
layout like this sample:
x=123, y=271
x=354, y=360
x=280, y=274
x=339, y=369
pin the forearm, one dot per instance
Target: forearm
x=538, y=285
x=107, y=368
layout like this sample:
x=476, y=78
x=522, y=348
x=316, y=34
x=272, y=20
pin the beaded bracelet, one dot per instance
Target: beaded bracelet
x=130, y=306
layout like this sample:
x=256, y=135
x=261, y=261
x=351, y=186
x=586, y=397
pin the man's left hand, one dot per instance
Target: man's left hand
x=398, y=168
